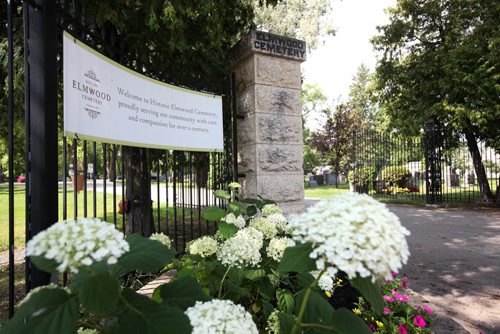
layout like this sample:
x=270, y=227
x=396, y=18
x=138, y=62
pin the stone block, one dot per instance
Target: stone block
x=279, y=129
x=278, y=158
x=247, y=159
x=276, y=100
x=246, y=130
x=277, y=72
x=245, y=74
x=282, y=188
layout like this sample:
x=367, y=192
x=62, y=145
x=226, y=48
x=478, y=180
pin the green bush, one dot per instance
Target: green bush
x=361, y=176
x=396, y=175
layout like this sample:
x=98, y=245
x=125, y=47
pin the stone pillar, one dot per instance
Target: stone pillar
x=270, y=148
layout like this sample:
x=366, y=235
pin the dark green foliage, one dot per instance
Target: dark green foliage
x=396, y=175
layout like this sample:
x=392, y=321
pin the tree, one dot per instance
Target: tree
x=440, y=59
x=361, y=97
x=306, y=20
x=334, y=141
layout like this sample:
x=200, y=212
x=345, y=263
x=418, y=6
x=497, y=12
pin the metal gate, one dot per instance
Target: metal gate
x=70, y=178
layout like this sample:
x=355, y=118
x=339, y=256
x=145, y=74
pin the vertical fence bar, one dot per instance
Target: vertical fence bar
x=41, y=77
x=114, y=156
x=167, y=179
x=174, y=199
x=10, y=129
x=124, y=205
x=158, y=193
x=104, y=178
x=75, y=179
x=191, y=194
x=94, y=179
x=85, y=173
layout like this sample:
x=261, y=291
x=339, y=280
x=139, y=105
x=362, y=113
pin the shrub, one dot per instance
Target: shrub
x=396, y=175
x=361, y=177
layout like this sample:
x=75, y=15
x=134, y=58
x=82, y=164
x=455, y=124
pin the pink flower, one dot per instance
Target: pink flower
x=419, y=321
x=387, y=310
x=402, y=329
x=404, y=282
x=373, y=328
x=388, y=299
x=427, y=309
x=394, y=274
x=400, y=297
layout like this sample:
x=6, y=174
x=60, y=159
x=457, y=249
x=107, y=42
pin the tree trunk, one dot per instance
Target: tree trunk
x=482, y=179
x=202, y=161
x=138, y=182
x=112, y=162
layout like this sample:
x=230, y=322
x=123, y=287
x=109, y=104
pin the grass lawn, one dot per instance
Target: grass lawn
x=325, y=191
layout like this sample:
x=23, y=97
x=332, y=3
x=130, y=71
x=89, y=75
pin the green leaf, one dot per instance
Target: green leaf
x=45, y=264
x=266, y=289
x=49, y=310
x=286, y=322
x=346, y=322
x=142, y=315
x=144, y=255
x=370, y=291
x=236, y=208
x=296, y=259
x=222, y=194
x=235, y=289
x=97, y=290
x=318, y=310
x=255, y=274
x=213, y=213
x=182, y=292
x=304, y=280
x=267, y=307
x=251, y=210
x=234, y=185
x=286, y=303
x=227, y=230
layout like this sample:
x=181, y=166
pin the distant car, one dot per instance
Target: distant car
x=21, y=179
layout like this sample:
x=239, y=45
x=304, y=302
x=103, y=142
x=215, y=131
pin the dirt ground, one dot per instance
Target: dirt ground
x=455, y=266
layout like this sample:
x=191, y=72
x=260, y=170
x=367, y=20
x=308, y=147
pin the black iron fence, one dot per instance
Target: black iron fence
x=429, y=169
x=73, y=178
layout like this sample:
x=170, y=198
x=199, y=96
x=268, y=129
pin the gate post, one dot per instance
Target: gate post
x=41, y=125
x=432, y=145
x=269, y=117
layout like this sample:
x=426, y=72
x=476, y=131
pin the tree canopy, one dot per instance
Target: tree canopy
x=441, y=59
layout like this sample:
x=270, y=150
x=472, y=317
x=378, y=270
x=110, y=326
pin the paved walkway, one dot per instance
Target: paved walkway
x=455, y=265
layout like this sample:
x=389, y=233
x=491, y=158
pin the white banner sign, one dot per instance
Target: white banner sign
x=104, y=101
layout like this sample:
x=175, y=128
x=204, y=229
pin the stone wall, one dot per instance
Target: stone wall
x=270, y=147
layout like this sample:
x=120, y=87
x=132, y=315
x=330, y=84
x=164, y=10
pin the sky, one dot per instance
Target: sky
x=332, y=65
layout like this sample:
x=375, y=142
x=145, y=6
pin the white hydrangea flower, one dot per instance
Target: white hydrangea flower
x=220, y=317
x=353, y=233
x=325, y=282
x=164, y=239
x=277, y=247
x=204, y=246
x=80, y=242
x=270, y=209
x=279, y=221
x=264, y=225
x=82, y=330
x=273, y=323
x=239, y=221
x=243, y=249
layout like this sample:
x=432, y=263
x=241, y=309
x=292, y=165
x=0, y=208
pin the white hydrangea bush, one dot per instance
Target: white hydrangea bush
x=353, y=233
x=243, y=249
x=164, y=239
x=279, y=221
x=267, y=227
x=76, y=243
x=277, y=247
x=220, y=317
x=239, y=221
x=270, y=209
x=204, y=246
